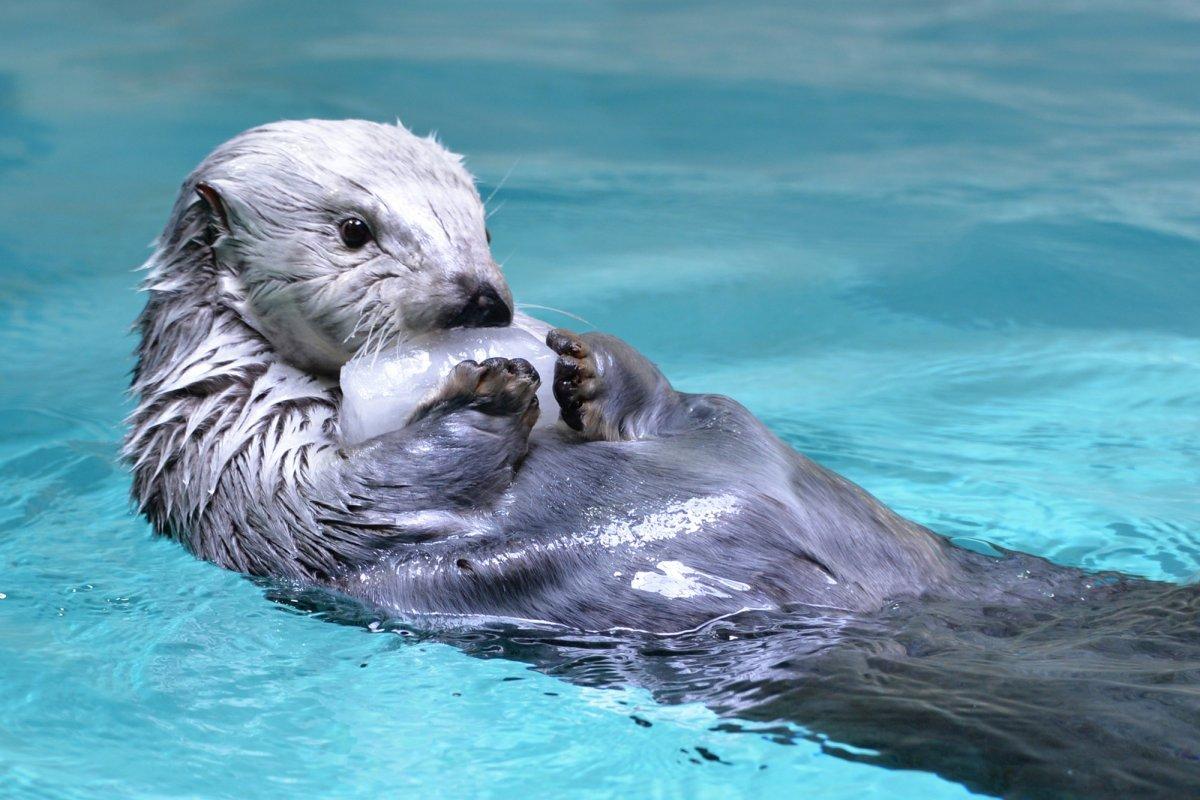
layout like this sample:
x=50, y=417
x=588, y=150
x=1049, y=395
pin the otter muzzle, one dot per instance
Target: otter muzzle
x=484, y=309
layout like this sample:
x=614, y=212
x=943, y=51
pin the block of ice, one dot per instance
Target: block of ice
x=379, y=392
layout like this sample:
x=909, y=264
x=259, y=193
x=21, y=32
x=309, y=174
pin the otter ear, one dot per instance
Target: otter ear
x=214, y=204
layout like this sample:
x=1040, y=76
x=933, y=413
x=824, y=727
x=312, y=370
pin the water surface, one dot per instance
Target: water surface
x=950, y=250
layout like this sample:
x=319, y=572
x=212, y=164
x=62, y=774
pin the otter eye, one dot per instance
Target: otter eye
x=354, y=232
x=488, y=234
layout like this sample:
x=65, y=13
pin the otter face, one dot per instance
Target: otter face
x=333, y=237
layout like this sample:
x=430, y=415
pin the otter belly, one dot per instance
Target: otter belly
x=654, y=535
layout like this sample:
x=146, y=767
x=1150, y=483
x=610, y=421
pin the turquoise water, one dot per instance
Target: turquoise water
x=948, y=250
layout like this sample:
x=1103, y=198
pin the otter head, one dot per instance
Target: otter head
x=328, y=237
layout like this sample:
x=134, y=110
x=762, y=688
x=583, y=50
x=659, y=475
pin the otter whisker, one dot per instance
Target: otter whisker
x=500, y=185
x=357, y=327
x=370, y=334
x=523, y=306
x=384, y=337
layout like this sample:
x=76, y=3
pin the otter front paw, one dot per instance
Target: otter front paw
x=607, y=390
x=577, y=384
x=498, y=387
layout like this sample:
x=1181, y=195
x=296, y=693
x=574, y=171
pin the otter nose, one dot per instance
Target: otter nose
x=484, y=309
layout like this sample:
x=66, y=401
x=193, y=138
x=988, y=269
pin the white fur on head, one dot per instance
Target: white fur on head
x=288, y=185
x=233, y=444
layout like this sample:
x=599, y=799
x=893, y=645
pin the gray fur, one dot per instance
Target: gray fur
x=662, y=511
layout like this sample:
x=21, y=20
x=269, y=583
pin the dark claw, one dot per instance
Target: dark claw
x=571, y=414
x=565, y=343
x=567, y=368
x=520, y=366
x=564, y=392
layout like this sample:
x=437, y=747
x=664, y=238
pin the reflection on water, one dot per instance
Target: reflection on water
x=1092, y=689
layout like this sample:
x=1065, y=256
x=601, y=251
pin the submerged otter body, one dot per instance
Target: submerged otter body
x=296, y=246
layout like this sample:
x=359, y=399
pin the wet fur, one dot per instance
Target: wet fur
x=650, y=511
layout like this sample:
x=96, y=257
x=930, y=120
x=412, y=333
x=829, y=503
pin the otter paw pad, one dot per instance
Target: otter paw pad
x=576, y=381
x=497, y=386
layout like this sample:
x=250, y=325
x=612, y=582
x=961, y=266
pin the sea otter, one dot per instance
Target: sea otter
x=297, y=245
